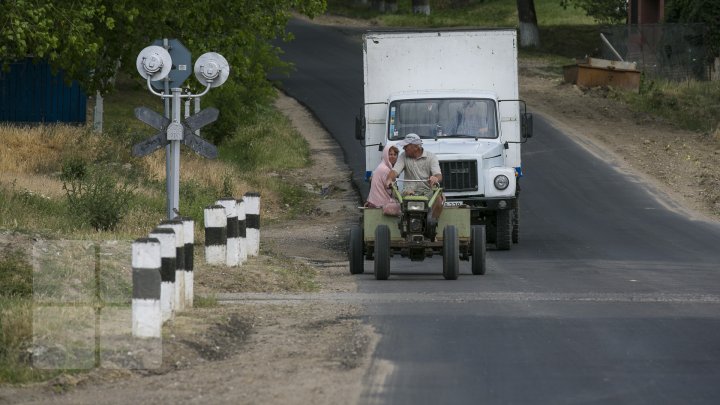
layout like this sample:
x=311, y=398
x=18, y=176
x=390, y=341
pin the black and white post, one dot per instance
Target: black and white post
x=252, y=224
x=189, y=229
x=242, y=226
x=215, y=234
x=146, y=309
x=177, y=226
x=166, y=236
x=232, y=250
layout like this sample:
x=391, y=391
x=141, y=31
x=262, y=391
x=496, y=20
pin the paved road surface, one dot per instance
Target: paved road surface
x=610, y=297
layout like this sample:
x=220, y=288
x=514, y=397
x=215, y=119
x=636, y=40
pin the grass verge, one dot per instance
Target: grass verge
x=34, y=206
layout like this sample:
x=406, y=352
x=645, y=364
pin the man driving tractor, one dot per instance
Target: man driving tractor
x=418, y=164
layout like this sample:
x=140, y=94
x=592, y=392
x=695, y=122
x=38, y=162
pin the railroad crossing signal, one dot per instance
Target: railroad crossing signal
x=175, y=131
x=155, y=64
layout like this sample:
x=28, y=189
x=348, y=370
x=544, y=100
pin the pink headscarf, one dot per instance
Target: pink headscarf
x=380, y=196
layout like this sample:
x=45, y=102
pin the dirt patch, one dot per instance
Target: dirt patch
x=679, y=165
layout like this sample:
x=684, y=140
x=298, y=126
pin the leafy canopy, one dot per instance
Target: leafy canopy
x=602, y=11
x=91, y=40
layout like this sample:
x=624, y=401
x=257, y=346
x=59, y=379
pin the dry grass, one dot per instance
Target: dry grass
x=210, y=173
x=42, y=185
x=41, y=149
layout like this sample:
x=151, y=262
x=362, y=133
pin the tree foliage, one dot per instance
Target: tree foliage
x=602, y=11
x=698, y=11
x=92, y=39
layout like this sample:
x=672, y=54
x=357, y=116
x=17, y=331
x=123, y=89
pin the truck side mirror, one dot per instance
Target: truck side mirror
x=359, y=128
x=527, y=125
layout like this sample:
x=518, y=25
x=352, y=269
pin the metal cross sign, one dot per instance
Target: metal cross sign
x=174, y=131
x=194, y=123
x=158, y=140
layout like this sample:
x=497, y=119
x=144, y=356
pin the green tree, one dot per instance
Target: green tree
x=698, y=11
x=91, y=40
x=603, y=11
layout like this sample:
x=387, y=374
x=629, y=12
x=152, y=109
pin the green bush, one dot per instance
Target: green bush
x=15, y=276
x=238, y=105
x=95, y=196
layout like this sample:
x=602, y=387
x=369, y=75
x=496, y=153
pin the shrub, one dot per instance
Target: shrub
x=95, y=196
x=15, y=276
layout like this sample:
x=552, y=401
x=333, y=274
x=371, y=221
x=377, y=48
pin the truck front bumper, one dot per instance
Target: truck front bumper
x=483, y=203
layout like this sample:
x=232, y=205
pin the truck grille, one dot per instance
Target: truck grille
x=459, y=175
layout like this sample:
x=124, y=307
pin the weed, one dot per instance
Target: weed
x=691, y=105
x=205, y=301
x=15, y=276
x=269, y=144
x=97, y=198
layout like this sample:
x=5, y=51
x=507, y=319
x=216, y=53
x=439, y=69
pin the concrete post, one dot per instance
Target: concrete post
x=146, y=309
x=215, y=234
x=177, y=226
x=189, y=229
x=252, y=224
x=233, y=238
x=166, y=236
x=242, y=226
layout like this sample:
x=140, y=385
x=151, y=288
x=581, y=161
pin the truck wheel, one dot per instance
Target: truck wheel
x=355, y=250
x=451, y=253
x=478, y=249
x=515, y=222
x=503, y=236
x=382, y=252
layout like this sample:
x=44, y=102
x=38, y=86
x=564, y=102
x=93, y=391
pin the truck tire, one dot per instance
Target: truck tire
x=516, y=222
x=478, y=249
x=503, y=235
x=382, y=252
x=355, y=250
x=451, y=253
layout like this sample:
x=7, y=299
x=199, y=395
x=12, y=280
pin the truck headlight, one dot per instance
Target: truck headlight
x=416, y=206
x=501, y=182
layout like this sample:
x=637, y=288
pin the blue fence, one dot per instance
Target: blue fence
x=29, y=92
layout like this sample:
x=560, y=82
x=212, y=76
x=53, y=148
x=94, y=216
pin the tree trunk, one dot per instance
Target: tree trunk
x=529, y=34
x=421, y=7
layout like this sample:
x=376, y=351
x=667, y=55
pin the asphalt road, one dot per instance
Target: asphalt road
x=610, y=297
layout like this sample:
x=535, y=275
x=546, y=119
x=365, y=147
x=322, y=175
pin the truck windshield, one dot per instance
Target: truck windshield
x=430, y=118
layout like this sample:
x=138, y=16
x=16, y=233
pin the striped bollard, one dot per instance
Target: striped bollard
x=215, y=234
x=146, y=309
x=242, y=230
x=177, y=226
x=232, y=250
x=189, y=229
x=166, y=236
x=252, y=224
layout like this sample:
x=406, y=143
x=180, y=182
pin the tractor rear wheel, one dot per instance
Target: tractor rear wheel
x=451, y=253
x=382, y=252
x=355, y=250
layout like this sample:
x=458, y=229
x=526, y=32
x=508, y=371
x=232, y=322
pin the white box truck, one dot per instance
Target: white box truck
x=458, y=90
